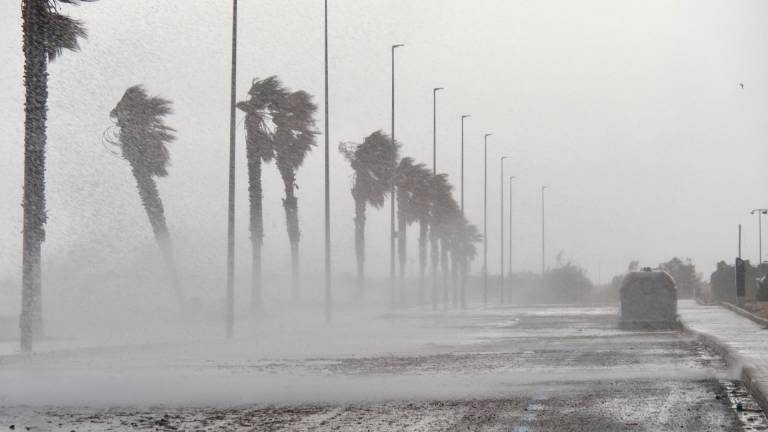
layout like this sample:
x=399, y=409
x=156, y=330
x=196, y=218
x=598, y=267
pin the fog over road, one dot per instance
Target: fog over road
x=536, y=368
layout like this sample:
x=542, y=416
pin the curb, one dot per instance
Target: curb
x=747, y=372
x=745, y=313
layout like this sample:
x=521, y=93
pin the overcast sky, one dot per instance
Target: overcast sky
x=630, y=112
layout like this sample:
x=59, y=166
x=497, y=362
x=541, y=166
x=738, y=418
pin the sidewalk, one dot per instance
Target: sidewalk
x=742, y=342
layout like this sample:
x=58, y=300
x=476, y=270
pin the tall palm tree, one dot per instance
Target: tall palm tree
x=439, y=193
x=411, y=179
x=260, y=108
x=372, y=163
x=294, y=138
x=46, y=34
x=420, y=206
x=143, y=137
x=445, y=214
x=463, y=251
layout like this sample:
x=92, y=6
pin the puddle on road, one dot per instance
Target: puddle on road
x=750, y=415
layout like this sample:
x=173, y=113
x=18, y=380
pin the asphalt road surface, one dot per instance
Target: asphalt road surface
x=510, y=369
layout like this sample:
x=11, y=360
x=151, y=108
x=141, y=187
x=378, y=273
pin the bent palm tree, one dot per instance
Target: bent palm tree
x=46, y=34
x=446, y=213
x=143, y=137
x=263, y=99
x=419, y=206
x=372, y=163
x=439, y=193
x=464, y=251
x=411, y=179
x=294, y=138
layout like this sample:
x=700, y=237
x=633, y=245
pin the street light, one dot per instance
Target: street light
x=543, y=255
x=462, y=161
x=327, y=184
x=392, y=194
x=501, y=236
x=510, y=229
x=434, y=128
x=759, y=212
x=485, y=220
x=230, y=291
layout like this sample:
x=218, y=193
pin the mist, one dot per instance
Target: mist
x=633, y=131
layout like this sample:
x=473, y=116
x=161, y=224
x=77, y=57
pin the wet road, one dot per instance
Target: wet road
x=514, y=369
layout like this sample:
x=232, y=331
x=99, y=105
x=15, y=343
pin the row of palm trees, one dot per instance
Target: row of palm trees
x=279, y=126
x=422, y=197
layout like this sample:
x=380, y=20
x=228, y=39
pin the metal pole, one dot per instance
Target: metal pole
x=392, y=197
x=739, y=240
x=760, y=212
x=434, y=129
x=485, y=220
x=501, y=235
x=462, y=162
x=543, y=238
x=510, y=229
x=327, y=183
x=230, y=305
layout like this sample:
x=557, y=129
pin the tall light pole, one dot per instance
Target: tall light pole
x=230, y=293
x=434, y=129
x=327, y=182
x=485, y=219
x=543, y=237
x=462, y=161
x=501, y=235
x=392, y=195
x=510, y=227
x=759, y=212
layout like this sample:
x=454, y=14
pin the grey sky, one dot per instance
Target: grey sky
x=631, y=112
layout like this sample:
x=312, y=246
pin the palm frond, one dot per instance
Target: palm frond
x=143, y=134
x=62, y=33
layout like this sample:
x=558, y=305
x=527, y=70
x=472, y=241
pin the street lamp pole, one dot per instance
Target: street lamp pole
x=485, y=219
x=392, y=195
x=510, y=229
x=327, y=184
x=462, y=161
x=501, y=235
x=230, y=303
x=543, y=238
x=759, y=212
x=434, y=129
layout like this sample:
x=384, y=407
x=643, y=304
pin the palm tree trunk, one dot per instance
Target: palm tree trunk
x=433, y=260
x=291, y=206
x=464, y=271
x=454, y=279
x=256, y=223
x=36, y=101
x=402, y=251
x=153, y=205
x=444, y=270
x=360, y=243
x=423, y=227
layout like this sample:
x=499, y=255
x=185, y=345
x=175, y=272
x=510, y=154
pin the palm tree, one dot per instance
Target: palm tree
x=372, y=163
x=46, y=34
x=445, y=213
x=143, y=137
x=419, y=207
x=260, y=108
x=294, y=138
x=439, y=193
x=411, y=180
x=463, y=251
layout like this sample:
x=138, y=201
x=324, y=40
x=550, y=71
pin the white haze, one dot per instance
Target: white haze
x=631, y=113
